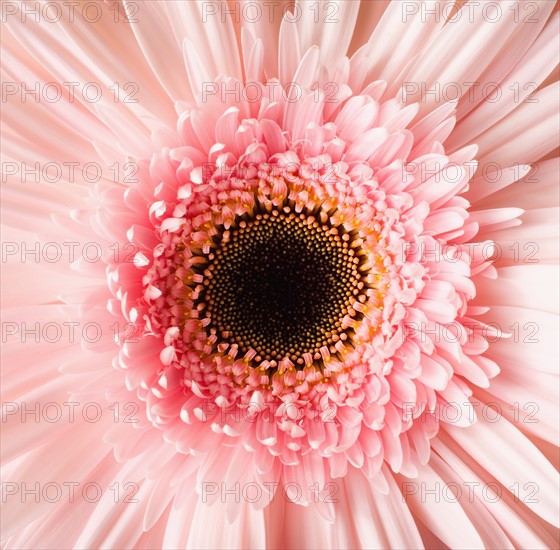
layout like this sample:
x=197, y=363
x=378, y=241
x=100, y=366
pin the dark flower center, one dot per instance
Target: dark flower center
x=282, y=284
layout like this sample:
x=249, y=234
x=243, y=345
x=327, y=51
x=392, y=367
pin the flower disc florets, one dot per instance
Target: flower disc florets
x=273, y=281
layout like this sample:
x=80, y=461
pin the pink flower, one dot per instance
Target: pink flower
x=280, y=275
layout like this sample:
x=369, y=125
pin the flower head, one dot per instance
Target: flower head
x=301, y=301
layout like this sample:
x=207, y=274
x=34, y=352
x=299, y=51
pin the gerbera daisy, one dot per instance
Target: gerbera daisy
x=279, y=274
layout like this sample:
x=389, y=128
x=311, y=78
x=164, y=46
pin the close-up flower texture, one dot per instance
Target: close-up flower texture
x=280, y=274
